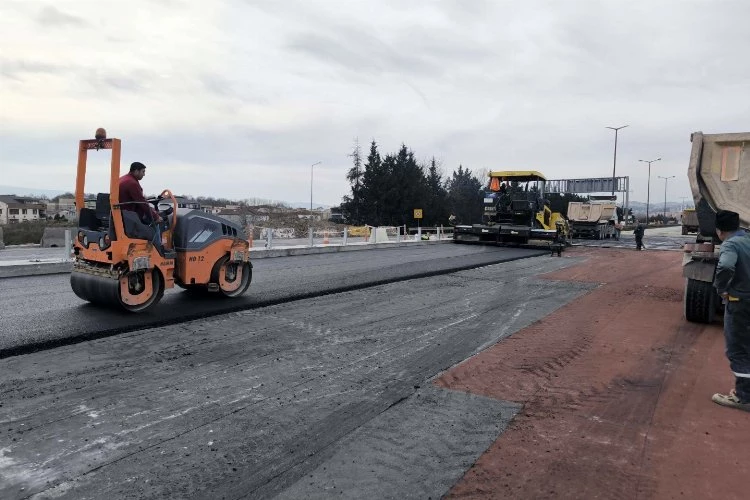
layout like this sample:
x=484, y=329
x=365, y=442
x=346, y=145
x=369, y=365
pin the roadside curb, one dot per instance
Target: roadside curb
x=35, y=269
x=42, y=268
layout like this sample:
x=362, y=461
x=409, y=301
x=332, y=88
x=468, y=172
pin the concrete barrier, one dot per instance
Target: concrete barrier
x=378, y=235
x=26, y=268
x=54, y=236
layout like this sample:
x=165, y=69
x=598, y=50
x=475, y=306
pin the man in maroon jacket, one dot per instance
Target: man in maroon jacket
x=131, y=194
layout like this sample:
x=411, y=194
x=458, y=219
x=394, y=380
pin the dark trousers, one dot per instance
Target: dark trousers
x=638, y=243
x=737, y=337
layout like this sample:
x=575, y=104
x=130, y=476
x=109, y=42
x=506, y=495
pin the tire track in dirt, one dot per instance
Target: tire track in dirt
x=590, y=378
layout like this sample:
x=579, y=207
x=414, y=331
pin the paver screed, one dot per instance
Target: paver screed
x=616, y=391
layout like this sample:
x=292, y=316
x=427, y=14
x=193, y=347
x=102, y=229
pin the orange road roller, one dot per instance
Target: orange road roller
x=122, y=261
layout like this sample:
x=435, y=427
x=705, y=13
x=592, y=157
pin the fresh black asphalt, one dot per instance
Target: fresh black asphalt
x=42, y=311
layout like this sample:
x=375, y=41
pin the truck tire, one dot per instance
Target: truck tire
x=700, y=301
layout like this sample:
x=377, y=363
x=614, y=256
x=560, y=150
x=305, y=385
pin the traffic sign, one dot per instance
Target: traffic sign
x=417, y=213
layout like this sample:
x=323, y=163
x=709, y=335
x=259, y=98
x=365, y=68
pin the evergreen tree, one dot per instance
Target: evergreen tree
x=407, y=187
x=436, y=205
x=372, y=188
x=465, y=196
x=351, y=207
x=385, y=191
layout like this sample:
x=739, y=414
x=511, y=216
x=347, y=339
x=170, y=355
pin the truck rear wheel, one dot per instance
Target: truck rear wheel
x=700, y=301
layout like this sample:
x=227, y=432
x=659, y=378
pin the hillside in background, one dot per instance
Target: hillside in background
x=31, y=192
x=51, y=193
x=658, y=206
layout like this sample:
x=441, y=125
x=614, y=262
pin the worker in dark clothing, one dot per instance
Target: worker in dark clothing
x=638, y=233
x=732, y=282
x=131, y=194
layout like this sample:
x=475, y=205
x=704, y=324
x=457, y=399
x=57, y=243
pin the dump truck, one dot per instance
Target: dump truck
x=719, y=175
x=592, y=220
x=515, y=211
x=690, y=221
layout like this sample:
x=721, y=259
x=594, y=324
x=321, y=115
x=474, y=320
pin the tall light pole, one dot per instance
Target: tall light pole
x=311, y=184
x=666, y=179
x=682, y=205
x=648, y=193
x=614, y=162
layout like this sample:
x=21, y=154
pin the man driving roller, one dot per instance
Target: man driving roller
x=131, y=194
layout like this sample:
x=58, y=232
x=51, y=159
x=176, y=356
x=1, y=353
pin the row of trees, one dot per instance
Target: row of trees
x=386, y=190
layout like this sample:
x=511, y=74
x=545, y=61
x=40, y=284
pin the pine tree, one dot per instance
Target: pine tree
x=465, y=196
x=436, y=205
x=407, y=187
x=373, y=195
x=351, y=207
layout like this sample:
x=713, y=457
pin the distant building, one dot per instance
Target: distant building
x=209, y=209
x=63, y=207
x=183, y=202
x=14, y=209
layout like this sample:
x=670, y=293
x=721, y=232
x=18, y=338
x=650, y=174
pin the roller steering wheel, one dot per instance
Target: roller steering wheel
x=171, y=210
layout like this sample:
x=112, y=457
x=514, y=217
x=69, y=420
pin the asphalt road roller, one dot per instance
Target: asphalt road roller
x=126, y=262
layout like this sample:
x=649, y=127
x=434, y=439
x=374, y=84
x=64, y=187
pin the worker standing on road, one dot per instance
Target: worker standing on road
x=638, y=233
x=732, y=282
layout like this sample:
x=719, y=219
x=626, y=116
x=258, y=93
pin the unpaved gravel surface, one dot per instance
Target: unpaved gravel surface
x=616, y=391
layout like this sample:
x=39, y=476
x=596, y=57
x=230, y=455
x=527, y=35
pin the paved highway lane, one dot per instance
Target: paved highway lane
x=327, y=396
x=42, y=311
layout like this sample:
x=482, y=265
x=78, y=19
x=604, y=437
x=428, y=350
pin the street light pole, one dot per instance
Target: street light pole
x=614, y=161
x=666, y=179
x=648, y=193
x=310, y=220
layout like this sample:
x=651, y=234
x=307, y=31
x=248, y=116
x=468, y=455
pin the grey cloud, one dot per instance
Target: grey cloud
x=361, y=53
x=622, y=45
x=51, y=16
x=354, y=46
x=229, y=90
x=217, y=86
x=15, y=69
x=120, y=82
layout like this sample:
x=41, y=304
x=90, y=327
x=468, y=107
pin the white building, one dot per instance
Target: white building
x=14, y=209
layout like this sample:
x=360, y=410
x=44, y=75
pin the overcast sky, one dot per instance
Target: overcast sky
x=237, y=98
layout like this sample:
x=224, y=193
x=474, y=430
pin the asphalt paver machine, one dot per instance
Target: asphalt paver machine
x=122, y=261
x=515, y=211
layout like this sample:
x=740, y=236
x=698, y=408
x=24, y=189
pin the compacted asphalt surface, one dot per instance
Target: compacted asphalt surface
x=43, y=311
